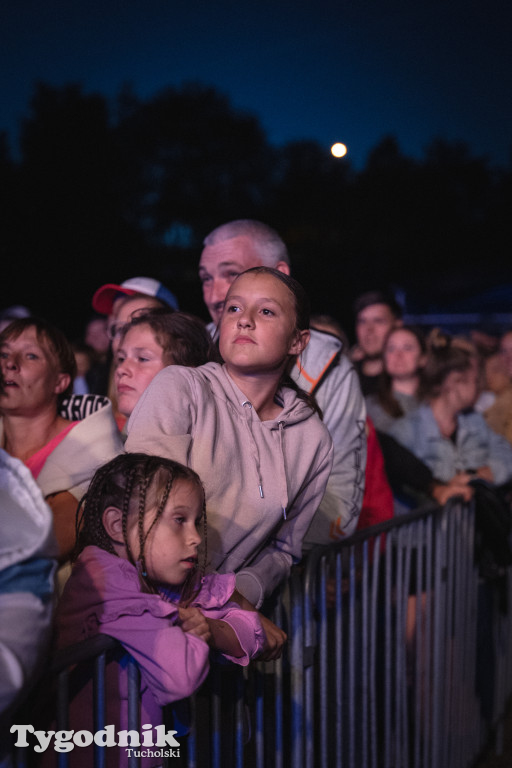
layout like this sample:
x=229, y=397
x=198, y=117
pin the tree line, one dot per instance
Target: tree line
x=105, y=190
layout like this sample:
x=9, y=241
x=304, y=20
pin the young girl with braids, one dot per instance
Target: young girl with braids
x=256, y=441
x=138, y=578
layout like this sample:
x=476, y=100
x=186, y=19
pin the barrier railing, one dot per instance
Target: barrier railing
x=399, y=656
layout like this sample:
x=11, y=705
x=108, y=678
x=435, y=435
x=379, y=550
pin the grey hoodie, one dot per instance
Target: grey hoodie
x=263, y=479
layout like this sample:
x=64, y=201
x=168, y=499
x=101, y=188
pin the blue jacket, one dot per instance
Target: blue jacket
x=476, y=445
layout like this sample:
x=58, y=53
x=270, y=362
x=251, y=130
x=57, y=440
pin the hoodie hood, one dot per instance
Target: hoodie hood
x=294, y=410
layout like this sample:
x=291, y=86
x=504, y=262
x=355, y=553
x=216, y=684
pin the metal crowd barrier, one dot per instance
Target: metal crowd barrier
x=399, y=656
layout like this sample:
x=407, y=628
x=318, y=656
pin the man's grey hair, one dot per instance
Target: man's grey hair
x=266, y=241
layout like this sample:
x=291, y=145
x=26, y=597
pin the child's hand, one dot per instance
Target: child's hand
x=193, y=621
x=275, y=640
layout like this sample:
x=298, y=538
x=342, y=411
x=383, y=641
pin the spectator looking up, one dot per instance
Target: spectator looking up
x=320, y=370
x=261, y=450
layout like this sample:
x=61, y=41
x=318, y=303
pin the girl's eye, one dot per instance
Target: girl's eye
x=233, y=308
x=267, y=312
x=32, y=356
x=143, y=359
x=179, y=520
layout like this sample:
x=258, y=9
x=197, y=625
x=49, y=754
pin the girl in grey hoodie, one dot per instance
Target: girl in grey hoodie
x=262, y=451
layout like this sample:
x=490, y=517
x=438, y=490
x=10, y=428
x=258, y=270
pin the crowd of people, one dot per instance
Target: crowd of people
x=186, y=467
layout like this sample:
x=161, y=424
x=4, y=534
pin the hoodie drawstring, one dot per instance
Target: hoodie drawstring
x=256, y=456
x=255, y=452
x=283, y=469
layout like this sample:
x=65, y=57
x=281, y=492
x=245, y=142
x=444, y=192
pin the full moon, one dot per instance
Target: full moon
x=338, y=150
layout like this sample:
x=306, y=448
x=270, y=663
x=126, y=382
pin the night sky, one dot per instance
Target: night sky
x=331, y=71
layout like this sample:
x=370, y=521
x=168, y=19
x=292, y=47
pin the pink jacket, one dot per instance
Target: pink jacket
x=103, y=595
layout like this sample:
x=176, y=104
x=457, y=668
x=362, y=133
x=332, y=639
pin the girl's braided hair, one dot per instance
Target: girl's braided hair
x=134, y=483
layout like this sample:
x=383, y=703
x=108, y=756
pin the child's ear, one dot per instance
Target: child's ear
x=112, y=519
x=300, y=342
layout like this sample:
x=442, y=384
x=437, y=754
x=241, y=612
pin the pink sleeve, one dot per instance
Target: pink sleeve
x=246, y=626
x=173, y=663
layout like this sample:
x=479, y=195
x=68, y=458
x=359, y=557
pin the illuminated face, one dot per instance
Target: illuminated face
x=30, y=375
x=139, y=358
x=170, y=550
x=219, y=265
x=124, y=311
x=372, y=327
x=257, y=329
x=403, y=355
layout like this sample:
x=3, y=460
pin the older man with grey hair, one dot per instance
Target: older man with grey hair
x=322, y=370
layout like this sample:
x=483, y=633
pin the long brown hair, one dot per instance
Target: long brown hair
x=385, y=395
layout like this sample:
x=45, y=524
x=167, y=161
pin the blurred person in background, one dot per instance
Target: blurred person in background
x=445, y=432
x=376, y=313
x=404, y=355
x=498, y=370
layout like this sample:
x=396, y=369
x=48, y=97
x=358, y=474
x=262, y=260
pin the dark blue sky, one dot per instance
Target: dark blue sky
x=332, y=71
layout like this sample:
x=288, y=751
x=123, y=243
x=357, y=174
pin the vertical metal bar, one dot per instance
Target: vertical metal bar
x=338, y=657
x=364, y=652
x=398, y=646
x=419, y=628
x=297, y=670
x=391, y=556
x=99, y=707
x=63, y=711
x=239, y=719
x=310, y=641
x=259, y=715
x=439, y=637
x=402, y=693
x=133, y=704
x=447, y=688
x=216, y=719
x=427, y=698
x=278, y=697
x=191, y=741
x=373, y=651
x=324, y=663
x=351, y=659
